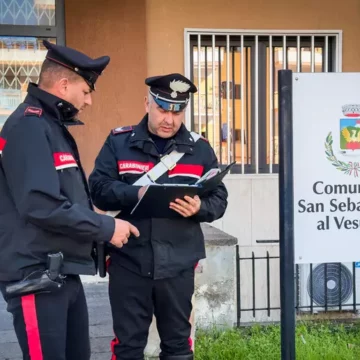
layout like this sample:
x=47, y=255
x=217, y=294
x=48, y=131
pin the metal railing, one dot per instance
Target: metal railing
x=319, y=287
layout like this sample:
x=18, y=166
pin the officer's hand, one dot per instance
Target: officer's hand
x=123, y=229
x=187, y=207
x=142, y=191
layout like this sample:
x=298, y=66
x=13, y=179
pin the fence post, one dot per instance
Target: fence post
x=238, y=289
x=286, y=216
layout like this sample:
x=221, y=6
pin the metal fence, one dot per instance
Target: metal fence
x=320, y=288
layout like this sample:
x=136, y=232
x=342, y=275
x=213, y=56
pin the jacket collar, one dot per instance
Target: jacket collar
x=53, y=105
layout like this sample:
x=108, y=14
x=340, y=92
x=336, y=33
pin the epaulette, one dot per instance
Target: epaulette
x=31, y=111
x=121, y=130
x=204, y=138
x=196, y=136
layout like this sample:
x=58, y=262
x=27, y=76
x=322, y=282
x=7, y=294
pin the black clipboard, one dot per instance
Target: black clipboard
x=156, y=199
x=210, y=184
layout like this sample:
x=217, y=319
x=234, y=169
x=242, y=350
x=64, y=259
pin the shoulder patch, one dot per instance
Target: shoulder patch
x=31, y=111
x=121, y=130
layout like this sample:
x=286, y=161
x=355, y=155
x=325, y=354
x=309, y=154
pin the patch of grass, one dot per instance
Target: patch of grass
x=324, y=341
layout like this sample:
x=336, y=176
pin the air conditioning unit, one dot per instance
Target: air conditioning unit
x=331, y=284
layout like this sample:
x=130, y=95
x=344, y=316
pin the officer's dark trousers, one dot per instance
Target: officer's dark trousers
x=134, y=299
x=53, y=326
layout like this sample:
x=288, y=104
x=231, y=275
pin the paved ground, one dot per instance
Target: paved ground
x=100, y=326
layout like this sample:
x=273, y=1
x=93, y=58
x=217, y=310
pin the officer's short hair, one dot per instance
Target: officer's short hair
x=52, y=72
x=150, y=98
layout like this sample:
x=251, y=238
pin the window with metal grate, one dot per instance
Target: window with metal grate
x=236, y=106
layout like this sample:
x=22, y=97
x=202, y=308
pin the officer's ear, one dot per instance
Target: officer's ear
x=147, y=104
x=63, y=86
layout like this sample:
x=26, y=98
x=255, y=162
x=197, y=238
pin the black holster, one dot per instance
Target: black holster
x=101, y=258
x=49, y=280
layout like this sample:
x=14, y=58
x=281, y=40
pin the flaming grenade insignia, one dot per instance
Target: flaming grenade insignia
x=178, y=86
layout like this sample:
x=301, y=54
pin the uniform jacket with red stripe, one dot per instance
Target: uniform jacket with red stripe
x=165, y=246
x=45, y=202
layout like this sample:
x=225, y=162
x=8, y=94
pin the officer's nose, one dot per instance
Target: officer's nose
x=169, y=118
x=88, y=99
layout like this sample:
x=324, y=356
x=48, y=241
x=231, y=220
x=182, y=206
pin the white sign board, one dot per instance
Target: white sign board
x=326, y=160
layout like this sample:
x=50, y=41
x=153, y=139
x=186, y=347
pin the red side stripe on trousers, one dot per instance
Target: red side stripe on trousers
x=107, y=264
x=114, y=342
x=31, y=326
x=191, y=343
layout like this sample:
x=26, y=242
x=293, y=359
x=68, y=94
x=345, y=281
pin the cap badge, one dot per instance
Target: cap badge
x=178, y=86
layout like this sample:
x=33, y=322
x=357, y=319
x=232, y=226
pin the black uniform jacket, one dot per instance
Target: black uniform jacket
x=45, y=204
x=165, y=246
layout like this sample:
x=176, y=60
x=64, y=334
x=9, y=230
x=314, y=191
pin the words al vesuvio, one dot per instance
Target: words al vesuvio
x=341, y=203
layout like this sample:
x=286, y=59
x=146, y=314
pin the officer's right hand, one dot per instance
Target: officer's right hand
x=123, y=230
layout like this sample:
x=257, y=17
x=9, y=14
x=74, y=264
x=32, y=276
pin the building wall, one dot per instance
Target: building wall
x=166, y=20
x=114, y=28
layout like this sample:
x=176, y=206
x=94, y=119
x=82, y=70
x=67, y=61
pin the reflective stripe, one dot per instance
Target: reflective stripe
x=187, y=170
x=31, y=326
